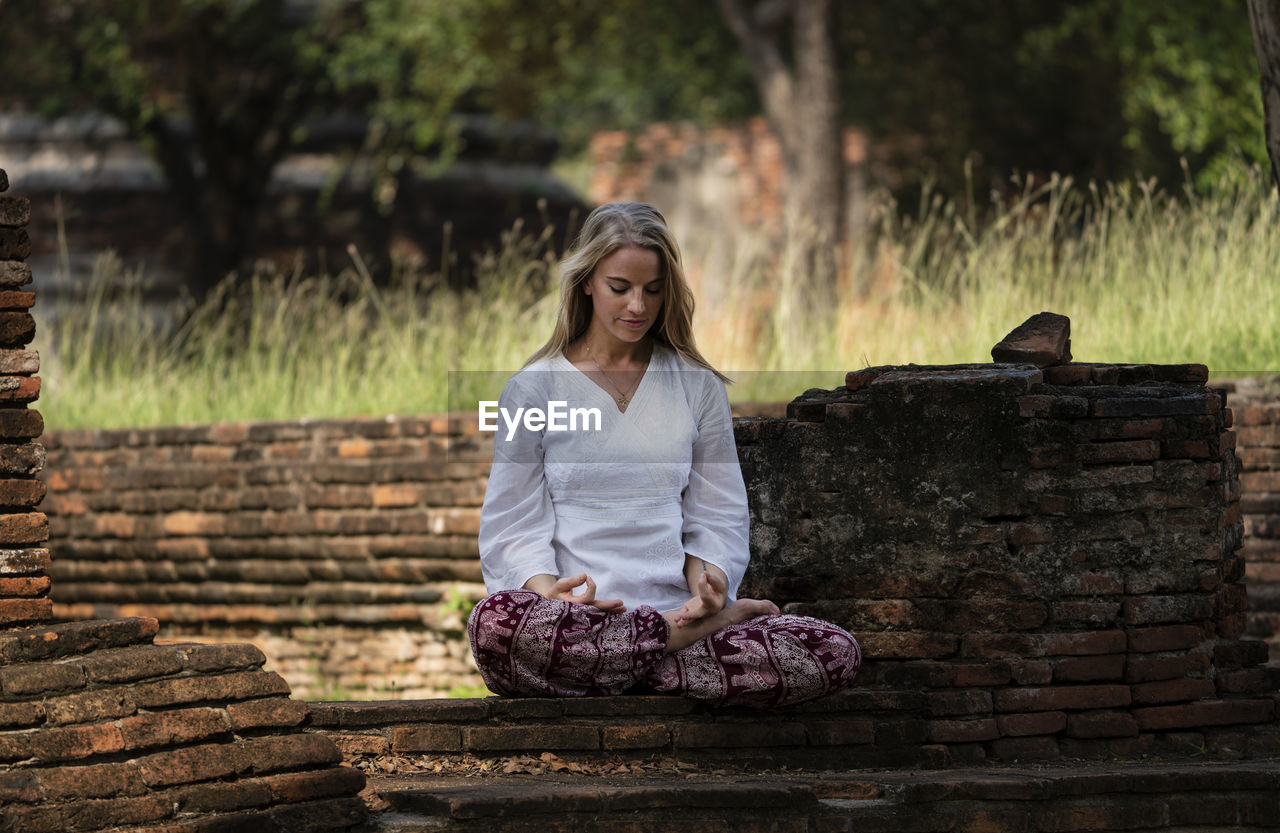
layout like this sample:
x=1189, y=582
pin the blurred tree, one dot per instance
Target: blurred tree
x=1264, y=17
x=214, y=89
x=1185, y=76
x=801, y=98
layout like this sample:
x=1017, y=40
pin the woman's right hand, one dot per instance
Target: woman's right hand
x=562, y=590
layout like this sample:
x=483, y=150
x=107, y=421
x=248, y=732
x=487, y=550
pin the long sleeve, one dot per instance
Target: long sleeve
x=716, y=521
x=517, y=520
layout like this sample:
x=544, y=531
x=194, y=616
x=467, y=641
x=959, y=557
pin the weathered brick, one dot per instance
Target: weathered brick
x=1207, y=403
x=220, y=797
x=1102, y=724
x=92, y=781
x=649, y=736
x=722, y=735
x=190, y=764
x=1244, y=681
x=1122, y=451
x=1201, y=809
x=908, y=645
x=92, y=814
x=27, y=679
x=23, y=528
x=355, y=744
x=1204, y=713
x=15, y=211
x=845, y=732
x=16, y=299
x=1150, y=610
x=18, y=786
x=19, y=363
x=96, y=705
x=25, y=587
x=15, y=747
x=16, y=328
x=1056, y=698
x=14, y=244
x=329, y=814
x=1024, y=749
x=1171, y=691
x=274, y=712
x=963, y=731
x=1031, y=672
x=14, y=612
x=1034, y=723
x=172, y=728
x=20, y=714
x=1089, y=669
x=1117, y=813
x=427, y=739
x=1164, y=638
x=126, y=665
x=956, y=703
x=24, y=562
x=223, y=657
x=1084, y=643
x=21, y=493
x=1091, y=613
x=307, y=786
x=276, y=754
x=244, y=685
x=1145, y=669
x=14, y=273
x=75, y=742
x=485, y=738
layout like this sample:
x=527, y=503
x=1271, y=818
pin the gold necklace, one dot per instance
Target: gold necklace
x=621, y=398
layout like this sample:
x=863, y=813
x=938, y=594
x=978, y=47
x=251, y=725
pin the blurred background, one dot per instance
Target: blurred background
x=248, y=209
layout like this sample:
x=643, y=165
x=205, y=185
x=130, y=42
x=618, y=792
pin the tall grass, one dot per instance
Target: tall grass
x=1146, y=276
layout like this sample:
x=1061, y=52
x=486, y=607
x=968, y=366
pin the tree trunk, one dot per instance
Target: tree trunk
x=802, y=103
x=1264, y=17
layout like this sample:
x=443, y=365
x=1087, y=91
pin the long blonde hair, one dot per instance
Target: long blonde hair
x=614, y=226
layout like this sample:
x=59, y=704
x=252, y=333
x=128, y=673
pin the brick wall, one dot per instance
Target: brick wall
x=344, y=549
x=691, y=170
x=1052, y=555
x=101, y=728
x=1258, y=426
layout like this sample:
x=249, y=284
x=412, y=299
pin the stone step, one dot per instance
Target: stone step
x=1241, y=795
x=881, y=728
x=871, y=727
x=73, y=639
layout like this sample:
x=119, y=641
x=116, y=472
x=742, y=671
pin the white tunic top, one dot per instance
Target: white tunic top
x=625, y=503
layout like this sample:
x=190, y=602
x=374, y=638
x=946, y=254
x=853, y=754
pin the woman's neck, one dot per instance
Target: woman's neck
x=610, y=352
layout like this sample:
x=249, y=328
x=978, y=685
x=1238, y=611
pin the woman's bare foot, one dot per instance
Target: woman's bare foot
x=682, y=636
x=709, y=600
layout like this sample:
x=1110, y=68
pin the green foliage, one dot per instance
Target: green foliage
x=1187, y=78
x=1146, y=276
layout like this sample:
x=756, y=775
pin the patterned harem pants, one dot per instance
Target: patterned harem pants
x=529, y=646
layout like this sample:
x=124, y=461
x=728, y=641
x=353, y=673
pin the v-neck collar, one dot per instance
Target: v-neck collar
x=641, y=386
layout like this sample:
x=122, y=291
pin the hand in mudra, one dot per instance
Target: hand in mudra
x=563, y=591
x=709, y=598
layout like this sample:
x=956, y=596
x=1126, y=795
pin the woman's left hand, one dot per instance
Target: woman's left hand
x=710, y=597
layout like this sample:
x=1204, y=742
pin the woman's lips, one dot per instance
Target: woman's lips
x=634, y=325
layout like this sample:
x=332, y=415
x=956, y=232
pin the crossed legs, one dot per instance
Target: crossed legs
x=528, y=645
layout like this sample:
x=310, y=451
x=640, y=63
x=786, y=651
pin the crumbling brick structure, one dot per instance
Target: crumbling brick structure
x=101, y=728
x=1051, y=554
x=344, y=548
x=1258, y=426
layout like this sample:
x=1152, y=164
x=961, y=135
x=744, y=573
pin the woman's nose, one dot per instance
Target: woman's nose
x=635, y=302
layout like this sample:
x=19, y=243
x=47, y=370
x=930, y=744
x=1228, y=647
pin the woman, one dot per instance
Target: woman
x=614, y=544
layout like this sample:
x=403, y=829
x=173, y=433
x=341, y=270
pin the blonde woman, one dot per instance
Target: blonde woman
x=613, y=536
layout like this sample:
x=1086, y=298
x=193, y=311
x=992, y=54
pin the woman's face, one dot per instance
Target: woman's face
x=626, y=292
